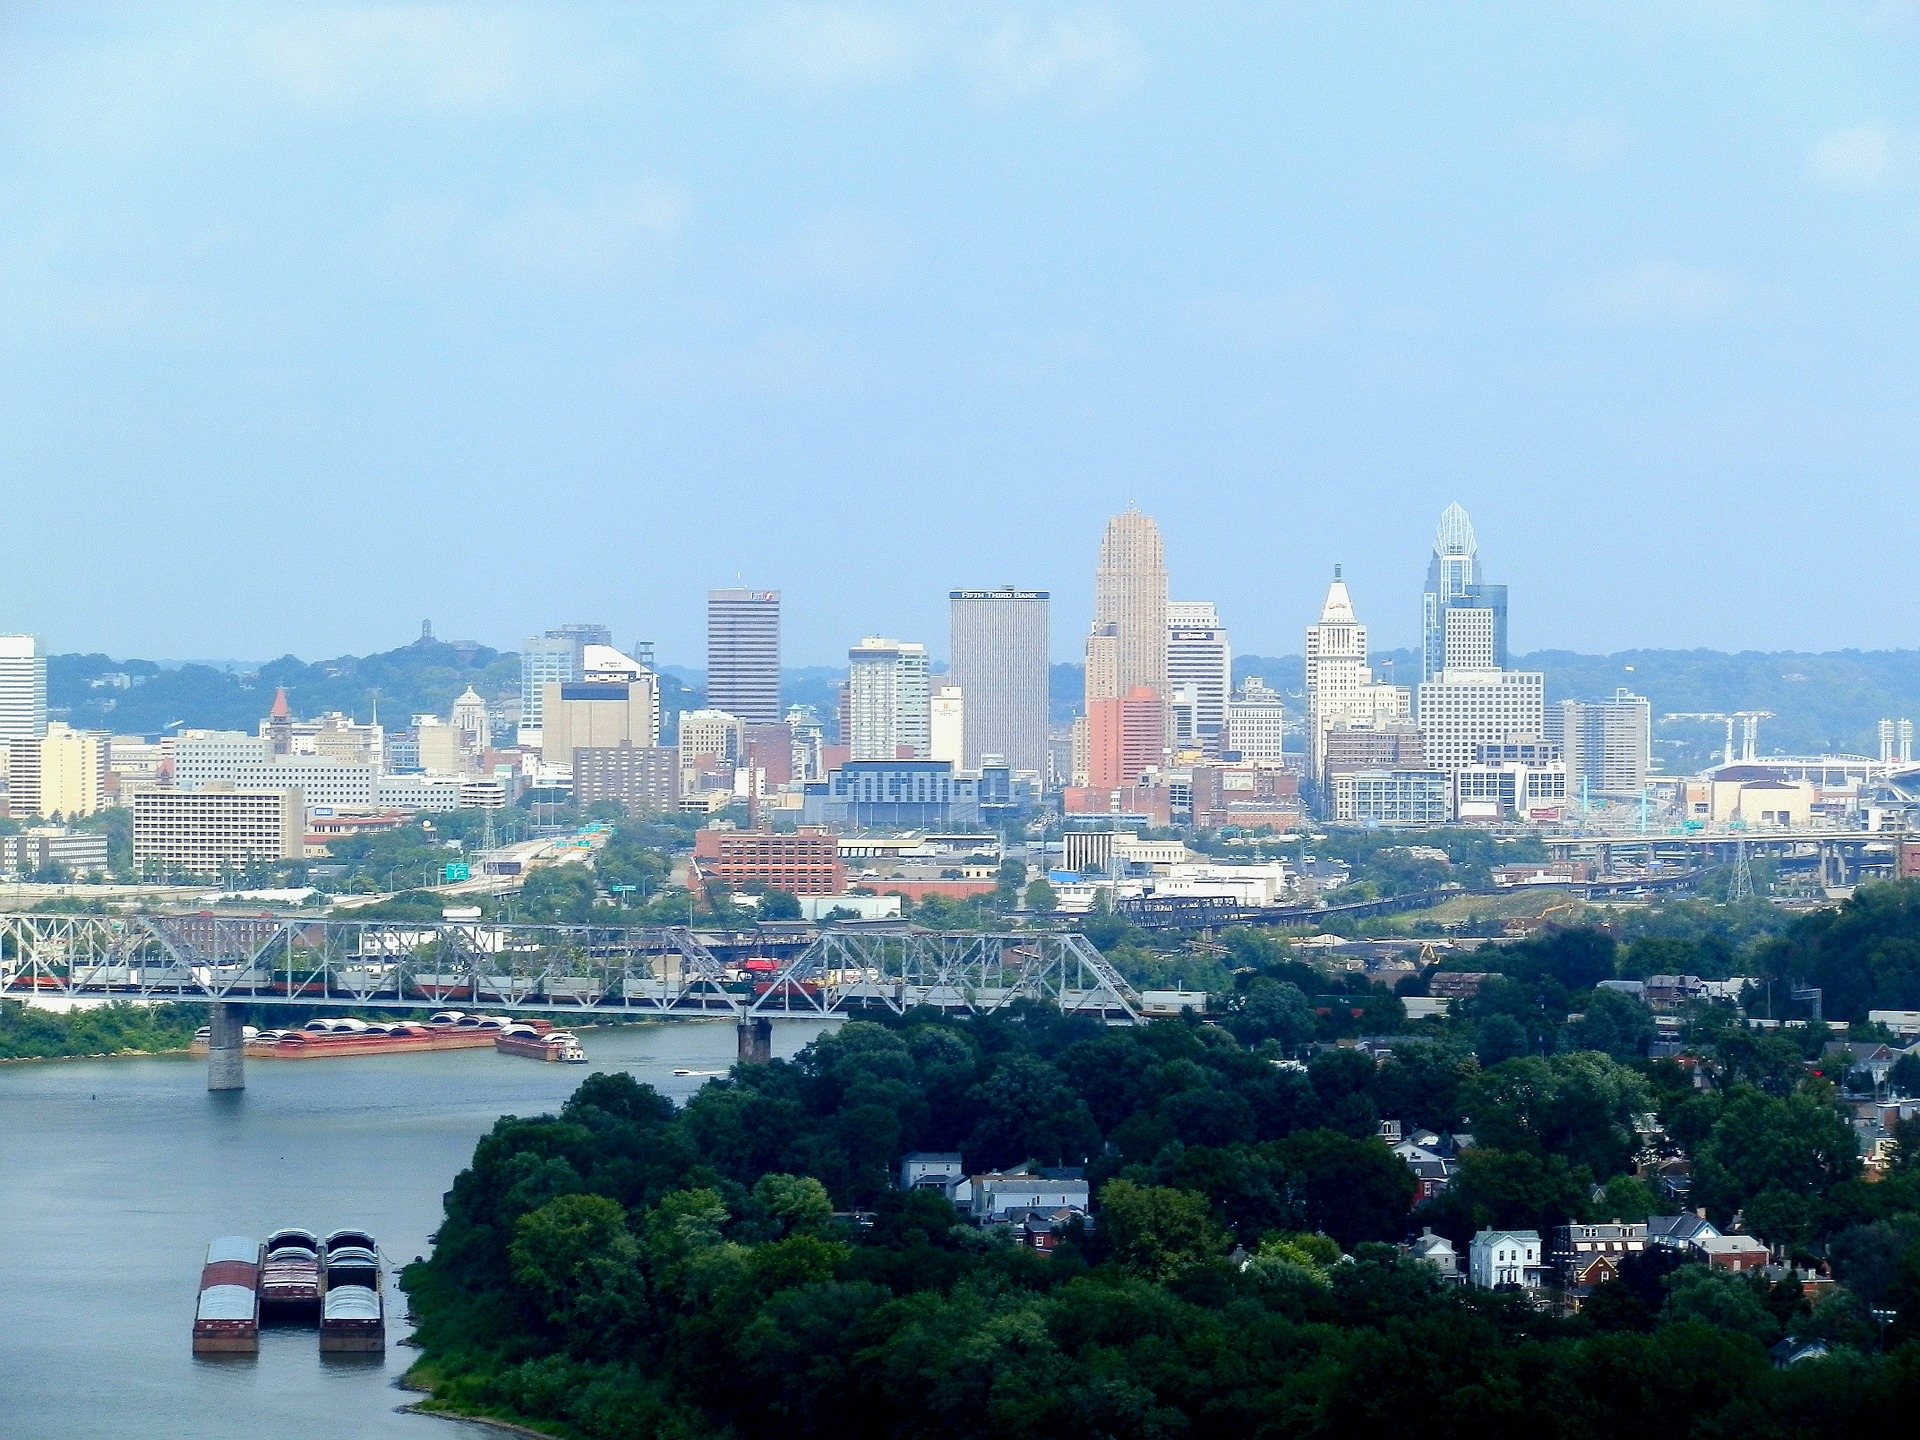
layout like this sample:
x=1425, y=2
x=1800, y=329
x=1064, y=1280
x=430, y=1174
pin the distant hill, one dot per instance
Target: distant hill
x=88, y=691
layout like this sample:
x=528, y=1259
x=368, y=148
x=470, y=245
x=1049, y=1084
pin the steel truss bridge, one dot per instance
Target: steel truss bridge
x=577, y=971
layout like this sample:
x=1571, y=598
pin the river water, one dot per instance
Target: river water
x=114, y=1174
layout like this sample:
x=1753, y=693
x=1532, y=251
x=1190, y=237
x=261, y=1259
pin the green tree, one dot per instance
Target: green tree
x=1041, y=898
x=1158, y=1232
x=576, y=1261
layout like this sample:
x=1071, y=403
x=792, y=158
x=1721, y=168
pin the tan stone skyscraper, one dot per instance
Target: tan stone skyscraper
x=1130, y=594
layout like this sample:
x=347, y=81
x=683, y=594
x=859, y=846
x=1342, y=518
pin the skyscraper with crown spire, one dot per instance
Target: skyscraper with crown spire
x=1340, y=684
x=1458, y=603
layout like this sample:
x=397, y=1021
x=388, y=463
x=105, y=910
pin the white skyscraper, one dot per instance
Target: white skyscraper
x=23, y=687
x=888, y=701
x=1340, y=685
x=1199, y=655
x=1256, y=723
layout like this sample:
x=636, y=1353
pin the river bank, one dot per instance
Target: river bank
x=119, y=1171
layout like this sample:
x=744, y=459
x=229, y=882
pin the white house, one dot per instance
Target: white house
x=997, y=1197
x=1505, y=1257
x=936, y=1170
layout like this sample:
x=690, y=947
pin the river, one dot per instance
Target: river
x=114, y=1174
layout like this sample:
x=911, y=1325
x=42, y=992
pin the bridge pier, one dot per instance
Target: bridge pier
x=756, y=1041
x=226, y=1048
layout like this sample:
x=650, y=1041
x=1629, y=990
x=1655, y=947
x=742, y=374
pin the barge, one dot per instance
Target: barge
x=290, y=1276
x=333, y=1039
x=226, y=1320
x=353, y=1316
x=531, y=1041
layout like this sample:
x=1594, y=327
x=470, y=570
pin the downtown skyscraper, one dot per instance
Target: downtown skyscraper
x=743, y=654
x=1458, y=603
x=1130, y=602
x=998, y=654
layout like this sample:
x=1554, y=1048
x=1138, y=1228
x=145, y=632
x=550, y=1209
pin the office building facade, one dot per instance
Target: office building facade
x=1130, y=595
x=1463, y=711
x=1256, y=723
x=215, y=832
x=644, y=780
x=23, y=687
x=1341, y=689
x=743, y=654
x=1199, y=656
x=1607, y=745
x=888, y=700
x=598, y=713
x=999, y=652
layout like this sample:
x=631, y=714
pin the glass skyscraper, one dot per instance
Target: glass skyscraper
x=1479, y=637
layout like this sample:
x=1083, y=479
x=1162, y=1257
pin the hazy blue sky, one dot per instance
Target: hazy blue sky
x=316, y=320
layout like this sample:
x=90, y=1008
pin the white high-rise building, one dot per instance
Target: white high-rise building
x=1199, y=655
x=1463, y=711
x=888, y=700
x=1340, y=686
x=1607, y=745
x=947, y=726
x=23, y=687
x=1130, y=594
x=1256, y=723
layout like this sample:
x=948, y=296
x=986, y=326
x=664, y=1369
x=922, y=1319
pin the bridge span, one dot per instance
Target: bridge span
x=580, y=971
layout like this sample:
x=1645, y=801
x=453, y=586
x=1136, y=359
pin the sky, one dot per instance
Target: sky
x=320, y=320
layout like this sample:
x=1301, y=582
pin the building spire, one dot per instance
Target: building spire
x=1454, y=536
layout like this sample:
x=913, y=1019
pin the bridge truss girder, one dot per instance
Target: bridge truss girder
x=573, y=970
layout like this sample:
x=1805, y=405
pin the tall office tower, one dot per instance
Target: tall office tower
x=1478, y=640
x=887, y=700
x=1607, y=745
x=23, y=687
x=743, y=654
x=1338, y=672
x=1198, y=655
x=998, y=648
x=1256, y=723
x=550, y=659
x=1130, y=594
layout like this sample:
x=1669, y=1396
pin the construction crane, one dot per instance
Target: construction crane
x=1747, y=720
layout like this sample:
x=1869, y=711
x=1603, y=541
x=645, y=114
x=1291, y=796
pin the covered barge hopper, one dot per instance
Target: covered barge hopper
x=290, y=1276
x=353, y=1317
x=226, y=1321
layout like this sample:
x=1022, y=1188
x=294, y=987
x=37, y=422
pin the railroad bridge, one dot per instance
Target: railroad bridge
x=581, y=971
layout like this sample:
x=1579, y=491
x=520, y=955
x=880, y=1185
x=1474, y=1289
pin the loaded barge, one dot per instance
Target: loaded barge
x=534, y=1042
x=290, y=1277
x=338, y=1038
x=353, y=1318
x=226, y=1320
